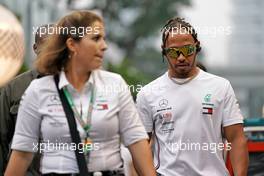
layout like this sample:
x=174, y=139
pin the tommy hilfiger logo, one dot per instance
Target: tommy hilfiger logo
x=208, y=110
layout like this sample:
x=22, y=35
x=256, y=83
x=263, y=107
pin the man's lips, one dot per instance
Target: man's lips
x=181, y=65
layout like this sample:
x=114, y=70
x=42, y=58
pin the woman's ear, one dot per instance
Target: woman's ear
x=71, y=45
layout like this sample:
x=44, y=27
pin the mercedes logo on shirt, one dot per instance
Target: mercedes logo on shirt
x=54, y=98
x=163, y=103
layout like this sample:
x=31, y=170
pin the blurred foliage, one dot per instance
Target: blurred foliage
x=131, y=21
x=23, y=68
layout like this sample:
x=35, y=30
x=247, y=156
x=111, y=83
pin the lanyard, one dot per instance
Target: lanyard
x=85, y=125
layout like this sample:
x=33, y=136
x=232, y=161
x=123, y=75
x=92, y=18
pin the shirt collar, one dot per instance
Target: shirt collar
x=36, y=74
x=64, y=81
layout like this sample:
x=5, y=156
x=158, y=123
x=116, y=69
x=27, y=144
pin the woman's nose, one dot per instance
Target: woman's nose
x=104, y=45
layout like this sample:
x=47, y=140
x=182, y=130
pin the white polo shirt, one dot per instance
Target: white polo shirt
x=187, y=121
x=114, y=119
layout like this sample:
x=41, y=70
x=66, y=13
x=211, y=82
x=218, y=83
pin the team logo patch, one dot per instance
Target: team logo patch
x=207, y=105
x=163, y=103
x=207, y=98
x=54, y=98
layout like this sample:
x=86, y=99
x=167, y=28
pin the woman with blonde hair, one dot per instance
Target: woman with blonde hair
x=70, y=117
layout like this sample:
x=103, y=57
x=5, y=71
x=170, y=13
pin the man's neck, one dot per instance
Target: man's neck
x=191, y=74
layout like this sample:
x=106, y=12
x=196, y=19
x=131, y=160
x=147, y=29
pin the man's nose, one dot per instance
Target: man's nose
x=181, y=58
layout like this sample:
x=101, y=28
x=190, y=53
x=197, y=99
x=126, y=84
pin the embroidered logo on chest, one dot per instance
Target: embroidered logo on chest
x=207, y=105
x=163, y=105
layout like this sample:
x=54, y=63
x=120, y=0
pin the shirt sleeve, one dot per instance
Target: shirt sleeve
x=144, y=112
x=130, y=125
x=232, y=113
x=27, y=129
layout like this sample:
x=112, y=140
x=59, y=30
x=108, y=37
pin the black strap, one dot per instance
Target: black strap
x=73, y=130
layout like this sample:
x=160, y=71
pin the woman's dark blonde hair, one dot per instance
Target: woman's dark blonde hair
x=54, y=53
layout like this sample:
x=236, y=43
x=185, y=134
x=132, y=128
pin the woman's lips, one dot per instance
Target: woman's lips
x=100, y=56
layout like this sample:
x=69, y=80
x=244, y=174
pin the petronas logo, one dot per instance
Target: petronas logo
x=207, y=98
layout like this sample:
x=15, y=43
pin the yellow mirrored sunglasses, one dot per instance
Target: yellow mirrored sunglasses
x=175, y=52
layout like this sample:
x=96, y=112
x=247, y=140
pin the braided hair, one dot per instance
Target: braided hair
x=178, y=23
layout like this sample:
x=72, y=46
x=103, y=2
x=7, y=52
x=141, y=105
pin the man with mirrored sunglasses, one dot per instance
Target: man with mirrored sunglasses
x=189, y=113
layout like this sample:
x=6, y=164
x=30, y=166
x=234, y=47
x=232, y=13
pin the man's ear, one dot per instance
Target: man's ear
x=162, y=49
x=197, y=45
x=71, y=44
